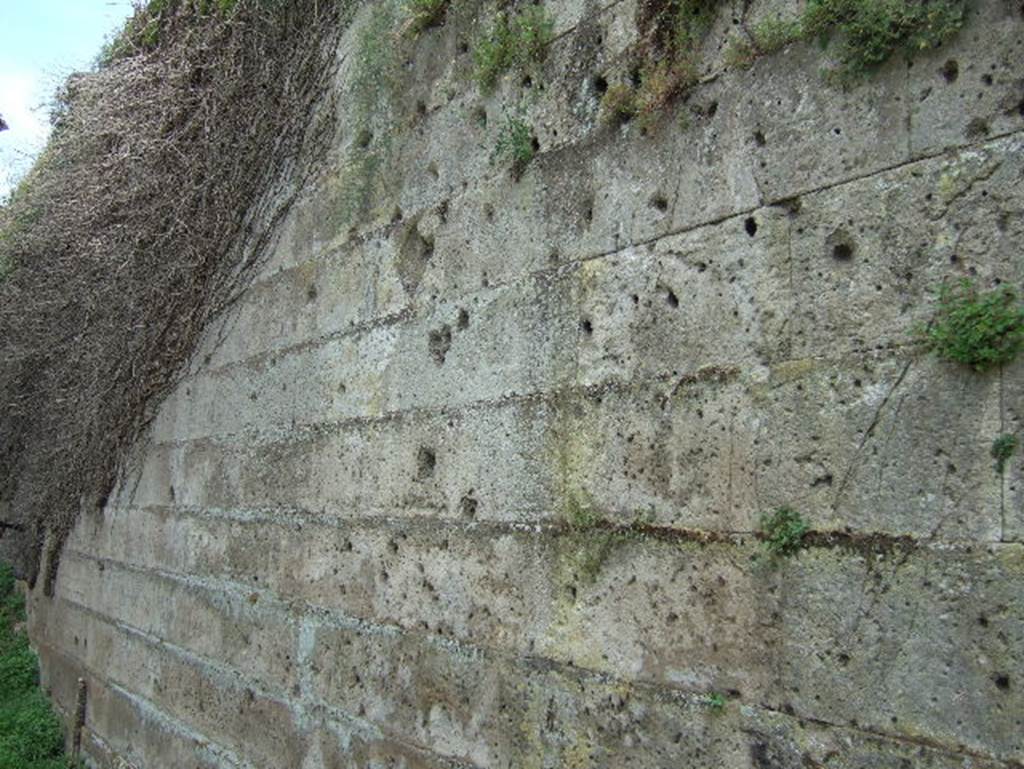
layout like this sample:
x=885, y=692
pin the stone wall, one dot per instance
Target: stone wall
x=472, y=475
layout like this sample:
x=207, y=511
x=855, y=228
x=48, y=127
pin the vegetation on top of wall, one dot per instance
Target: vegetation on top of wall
x=860, y=35
x=150, y=207
x=515, y=42
x=980, y=329
x=864, y=34
x=30, y=734
x=783, y=531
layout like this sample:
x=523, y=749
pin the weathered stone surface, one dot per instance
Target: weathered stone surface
x=472, y=475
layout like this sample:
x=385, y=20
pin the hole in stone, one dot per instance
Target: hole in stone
x=759, y=139
x=635, y=77
x=363, y=139
x=426, y=461
x=342, y=388
x=439, y=343
x=489, y=212
x=950, y=70
x=986, y=79
x=671, y=298
x=311, y=293
x=750, y=225
x=527, y=82
x=600, y=85
x=462, y=322
x=468, y=505
x=586, y=327
x=660, y=202
x=463, y=46
x=480, y=115
x=977, y=128
x=840, y=245
x=535, y=143
x=1002, y=681
x=712, y=109
x=588, y=213
x=421, y=108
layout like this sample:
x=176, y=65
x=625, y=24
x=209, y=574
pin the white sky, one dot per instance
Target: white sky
x=41, y=43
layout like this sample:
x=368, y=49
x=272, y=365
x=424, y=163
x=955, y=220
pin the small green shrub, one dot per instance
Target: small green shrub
x=516, y=144
x=783, y=531
x=1003, y=448
x=980, y=329
x=869, y=32
x=514, y=42
x=715, y=702
x=423, y=14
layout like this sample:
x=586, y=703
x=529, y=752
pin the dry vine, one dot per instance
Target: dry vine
x=144, y=217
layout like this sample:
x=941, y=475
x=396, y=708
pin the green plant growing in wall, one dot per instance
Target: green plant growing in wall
x=516, y=144
x=1003, y=448
x=783, y=531
x=714, y=702
x=980, y=329
x=869, y=32
x=422, y=14
x=766, y=37
x=517, y=41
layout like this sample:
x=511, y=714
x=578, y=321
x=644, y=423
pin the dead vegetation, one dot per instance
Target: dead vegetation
x=143, y=218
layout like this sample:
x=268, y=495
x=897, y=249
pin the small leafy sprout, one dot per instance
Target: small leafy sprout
x=980, y=329
x=422, y=14
x=714, y=702
x=783, y=531
x=516, y=145
x=1003, y=448
x=516, y=42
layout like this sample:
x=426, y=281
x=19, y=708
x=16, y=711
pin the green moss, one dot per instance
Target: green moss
x=30, y=733
x=618, y=104
x=980, y=329
x=1003, y=448
x=517, y=42
x=783, y=531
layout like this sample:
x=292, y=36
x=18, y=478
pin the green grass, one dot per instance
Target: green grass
x=514, y=42
x=783, y=531
x=980, y=329
x=1003, y=448
x=516, y=144
x=422, y=14
x=30, y=734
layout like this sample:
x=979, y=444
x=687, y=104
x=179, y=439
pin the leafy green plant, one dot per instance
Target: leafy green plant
x=30, y=733
x=783, y=531
x=1003, y=448
x=715, y=702
x=516, y=144
x=423, y=14
x=869, y=32
x=514, y=42
x=980, y=329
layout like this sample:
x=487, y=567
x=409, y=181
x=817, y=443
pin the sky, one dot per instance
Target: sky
x=41, y=43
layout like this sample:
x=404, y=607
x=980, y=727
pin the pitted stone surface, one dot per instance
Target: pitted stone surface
x=471, y=476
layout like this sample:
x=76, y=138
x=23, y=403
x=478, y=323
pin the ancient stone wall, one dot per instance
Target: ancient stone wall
x=473, y=474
